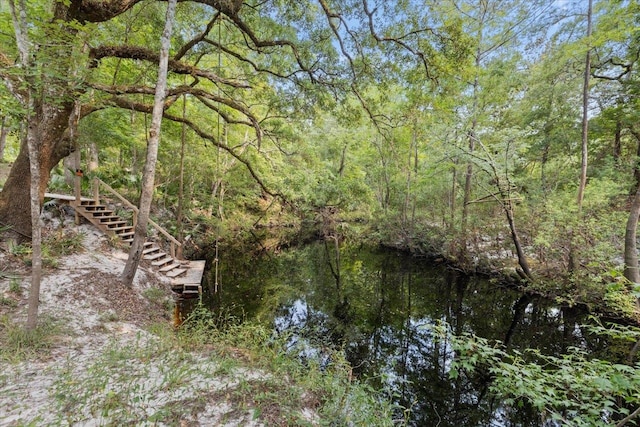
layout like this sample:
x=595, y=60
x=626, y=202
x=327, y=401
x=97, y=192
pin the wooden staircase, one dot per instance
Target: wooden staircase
x=185, y=276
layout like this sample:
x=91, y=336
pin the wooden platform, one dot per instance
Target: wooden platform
x=193, y=276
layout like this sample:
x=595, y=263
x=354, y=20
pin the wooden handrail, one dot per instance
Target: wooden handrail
x=176, y=246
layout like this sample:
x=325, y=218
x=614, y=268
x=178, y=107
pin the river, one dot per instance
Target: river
x=380, y=306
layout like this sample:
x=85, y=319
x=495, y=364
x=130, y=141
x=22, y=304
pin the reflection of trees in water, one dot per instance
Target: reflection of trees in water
x=380, y=308
x=399, y=346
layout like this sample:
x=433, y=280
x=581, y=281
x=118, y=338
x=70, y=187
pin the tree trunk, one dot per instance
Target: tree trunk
x=630, y=251
x=472, y=146
x=48, y=105
x=636, y=163
x=36, y=236
x=585, y=113
x=522, y=259
x=183, y=140
x=452, y=196
x=94, y=160
x=146, y=196
x=573, y=257
x=4, y=131
x=15, y=202
x=617, y=143
x=32, y=140
x=474, y=122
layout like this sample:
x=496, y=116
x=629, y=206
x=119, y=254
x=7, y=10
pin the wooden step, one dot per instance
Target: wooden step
x=163, y=261
x=95, y=208
x=150, y=249
x=109, y=219
x=155, y=256
x=191, y=289
x=195, y=270
x=101, y=214
x=169, y=267
x=176, y=272
x=127, y=234
x=121, y=228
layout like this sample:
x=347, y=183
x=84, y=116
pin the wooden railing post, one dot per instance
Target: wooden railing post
x=96, y=190
x=78, y=196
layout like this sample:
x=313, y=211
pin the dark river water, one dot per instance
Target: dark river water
x=379, y=307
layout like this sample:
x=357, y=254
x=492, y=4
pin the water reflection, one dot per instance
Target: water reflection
x=380, y=308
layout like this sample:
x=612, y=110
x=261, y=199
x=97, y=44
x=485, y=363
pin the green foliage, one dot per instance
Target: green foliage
x=64, y=242
x=336, y=396
x=14, y=286
x=159, y=297
x=8, y=302
x=378, y=128
x=574, y=389
x=54, y=245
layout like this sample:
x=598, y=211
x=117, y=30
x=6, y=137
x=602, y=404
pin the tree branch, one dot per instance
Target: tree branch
x=259, y=44
x=631, y=416
x=144, y=54
x=102, y=11
x=202, y=95
x=253, y=65
x=144, y=108
x=197, y=39
x=397, y=41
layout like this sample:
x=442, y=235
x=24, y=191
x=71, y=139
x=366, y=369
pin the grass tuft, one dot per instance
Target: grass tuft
x=20, y=344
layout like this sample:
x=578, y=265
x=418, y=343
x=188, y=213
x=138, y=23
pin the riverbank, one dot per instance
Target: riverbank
x=106, y=354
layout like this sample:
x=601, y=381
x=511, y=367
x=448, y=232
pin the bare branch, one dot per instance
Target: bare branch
x=200, y=37
x=258, y=44
x=398, y=41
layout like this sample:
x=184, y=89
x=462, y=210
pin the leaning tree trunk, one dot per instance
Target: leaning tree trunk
x=135, y=252
x=522, y=259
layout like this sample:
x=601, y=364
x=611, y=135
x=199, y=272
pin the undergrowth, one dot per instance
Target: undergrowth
x=20, y=344
x=212, y=370
x=288, y=386
x=54, y=245
x=573, y=389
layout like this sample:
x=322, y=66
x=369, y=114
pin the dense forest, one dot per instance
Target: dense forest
x=499, y=135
